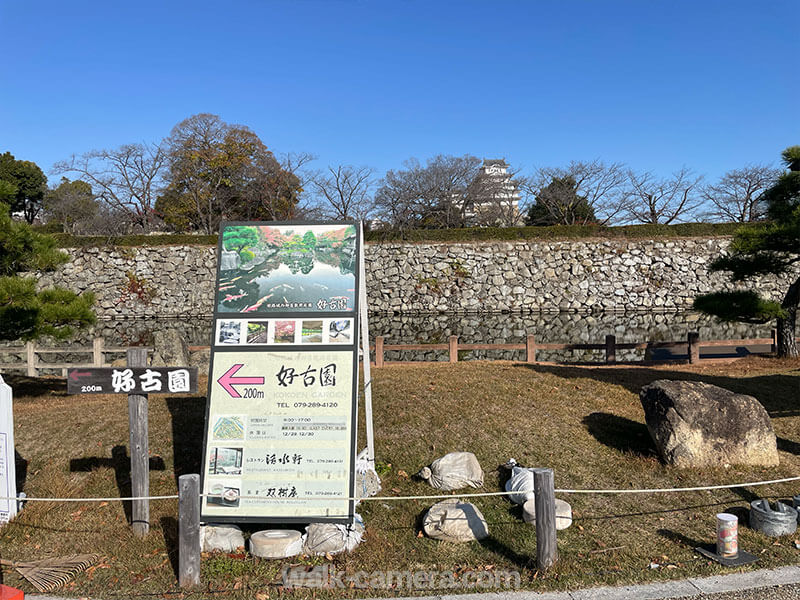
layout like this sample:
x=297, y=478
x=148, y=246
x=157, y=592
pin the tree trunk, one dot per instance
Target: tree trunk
x=787, y=346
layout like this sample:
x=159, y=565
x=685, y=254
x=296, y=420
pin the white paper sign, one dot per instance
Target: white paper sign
x=8, y=472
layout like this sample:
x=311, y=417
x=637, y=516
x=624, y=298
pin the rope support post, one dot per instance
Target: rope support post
x=611, y=349
x=189, y=530
x=693, y=342
x=545, y=502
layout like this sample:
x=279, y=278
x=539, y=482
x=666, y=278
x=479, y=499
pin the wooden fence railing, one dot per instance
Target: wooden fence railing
x=34, y=354
x=692, y=347
x=34, y=357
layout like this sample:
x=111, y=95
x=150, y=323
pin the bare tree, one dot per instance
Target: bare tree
x=294, y=168
x=127, y=179
x=345, y=192
x=599, y=188
x=737, y=196
x=430, y=196
x=663, y=201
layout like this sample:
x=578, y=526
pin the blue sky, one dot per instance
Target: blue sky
x=656, y=84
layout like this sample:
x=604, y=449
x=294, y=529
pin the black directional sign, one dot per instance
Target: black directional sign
x=132, y=380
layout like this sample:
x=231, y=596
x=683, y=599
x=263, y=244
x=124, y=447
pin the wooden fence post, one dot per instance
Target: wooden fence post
x=545, y=502
x=98, y=359
x=30, y=352
x=453, y=348
x=611, y=349
x=379, y=351
x=530, y=348
x=692, y=341
x=189, y=530
x=140, y=451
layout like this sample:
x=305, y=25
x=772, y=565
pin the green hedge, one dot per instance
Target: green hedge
x=164, y=239
x=562, y=232
x=557, y=232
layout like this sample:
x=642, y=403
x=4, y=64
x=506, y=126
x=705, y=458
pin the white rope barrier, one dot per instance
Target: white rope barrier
x=111, y=499
x=427, y=497
x=684, y=489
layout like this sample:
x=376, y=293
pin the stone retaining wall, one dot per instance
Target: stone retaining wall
x=587, y=276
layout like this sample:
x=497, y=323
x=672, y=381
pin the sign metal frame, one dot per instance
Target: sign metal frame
x=350, y=348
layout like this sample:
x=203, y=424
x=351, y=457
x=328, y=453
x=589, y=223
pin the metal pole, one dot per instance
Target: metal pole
x=364, y=316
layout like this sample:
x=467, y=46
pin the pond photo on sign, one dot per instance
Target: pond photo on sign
x=299, y=268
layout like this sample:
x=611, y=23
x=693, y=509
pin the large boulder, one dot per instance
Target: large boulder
x=696, y=424
x=170, y=349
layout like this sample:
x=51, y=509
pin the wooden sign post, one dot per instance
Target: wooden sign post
x=137, y=379
x=140, y=450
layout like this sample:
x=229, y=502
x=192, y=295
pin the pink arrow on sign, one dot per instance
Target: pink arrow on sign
x=74, y=375
x=227, y=381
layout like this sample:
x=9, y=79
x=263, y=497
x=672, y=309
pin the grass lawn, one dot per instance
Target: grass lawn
x=584, y=422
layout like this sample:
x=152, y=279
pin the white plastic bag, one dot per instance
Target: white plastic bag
x=453, y=471
x=453, y=520
x=521, y=481
x=329, y=538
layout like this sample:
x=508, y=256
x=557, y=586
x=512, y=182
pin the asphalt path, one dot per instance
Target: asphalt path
x=778, y=592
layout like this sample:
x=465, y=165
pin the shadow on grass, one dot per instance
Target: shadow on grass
x=35, y=386
x=490, y=542
x=188, y=431
x=789, y=446
x=745, y=494
x=620, y=433
x=680, y=539
x=169, y=529
x=21, y=469
x=121, y=463
x=499, y=548
x=777, y=392
x=644, y=513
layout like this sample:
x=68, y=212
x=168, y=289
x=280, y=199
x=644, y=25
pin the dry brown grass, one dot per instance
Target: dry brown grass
x=584, y=422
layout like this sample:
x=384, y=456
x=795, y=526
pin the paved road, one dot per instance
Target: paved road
x=780, y=592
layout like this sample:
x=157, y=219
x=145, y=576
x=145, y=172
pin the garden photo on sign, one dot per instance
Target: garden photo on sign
x=302, y=268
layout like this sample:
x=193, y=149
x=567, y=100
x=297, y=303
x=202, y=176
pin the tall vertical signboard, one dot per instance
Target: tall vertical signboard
x=281, y=414
x=8, y=473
